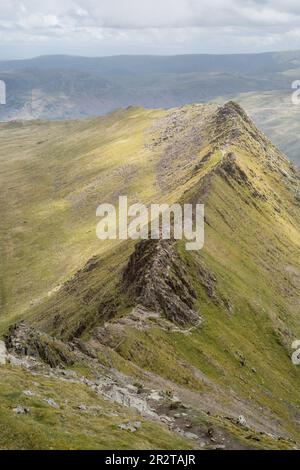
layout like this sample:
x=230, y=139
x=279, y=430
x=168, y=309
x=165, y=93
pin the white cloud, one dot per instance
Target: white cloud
x=158, y=26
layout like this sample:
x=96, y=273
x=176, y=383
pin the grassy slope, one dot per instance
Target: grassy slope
x=56, y=175
x=252, y=247
x=46, y=427
x=52, y=178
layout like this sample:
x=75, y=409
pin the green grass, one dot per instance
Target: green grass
x=252, y=245
x=50, y=192
x=66, y=427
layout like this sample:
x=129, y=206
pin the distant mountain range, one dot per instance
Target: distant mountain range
x=68, y=87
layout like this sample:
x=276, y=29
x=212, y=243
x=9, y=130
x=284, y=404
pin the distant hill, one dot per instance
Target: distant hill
x=269, y=62
x=67, y=87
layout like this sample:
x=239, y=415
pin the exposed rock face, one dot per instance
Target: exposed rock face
x=231, y=122
x=229, y=167
x=155, y=278
x=26, y=341
x=230, y=170
x=179, y=136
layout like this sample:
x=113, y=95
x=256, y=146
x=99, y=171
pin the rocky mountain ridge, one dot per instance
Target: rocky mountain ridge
x=148, y=319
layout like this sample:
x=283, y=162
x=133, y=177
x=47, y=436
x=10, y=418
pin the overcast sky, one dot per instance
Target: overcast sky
x=108, y=27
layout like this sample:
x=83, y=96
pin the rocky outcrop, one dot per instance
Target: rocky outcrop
x=23, y=340
x=155, y=277
x=230, y=170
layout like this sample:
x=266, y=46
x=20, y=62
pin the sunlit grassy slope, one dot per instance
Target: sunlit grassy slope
x=247, y=278
x=53, y=177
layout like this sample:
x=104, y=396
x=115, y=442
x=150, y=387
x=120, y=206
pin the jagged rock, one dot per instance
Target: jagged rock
x=3, y=353
x=82, y=407
x=21, y=410
x=123, y=396
x=132, y=427
x=167, y=419
x=230, y=169
x=85, y=348
x=156, y=278
x=26, y=361
x=27, y=341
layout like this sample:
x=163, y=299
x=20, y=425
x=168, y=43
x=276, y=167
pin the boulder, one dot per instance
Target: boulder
x=21, y=410
x=132, y=427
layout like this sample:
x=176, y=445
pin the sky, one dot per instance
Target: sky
x=30, y=28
